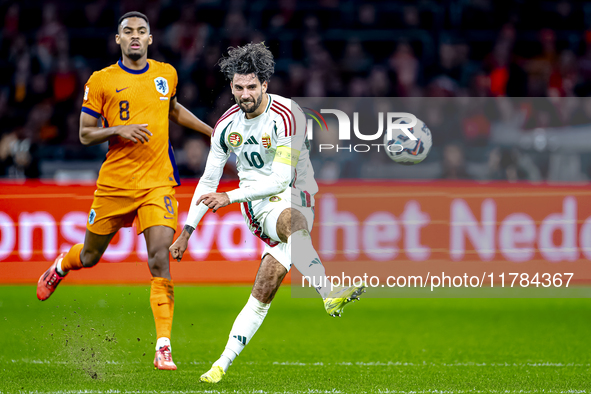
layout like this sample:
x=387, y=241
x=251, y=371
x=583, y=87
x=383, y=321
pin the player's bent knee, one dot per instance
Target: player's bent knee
x=290, y=221
x=160, y=255
x=159, y=263
x=298, y=221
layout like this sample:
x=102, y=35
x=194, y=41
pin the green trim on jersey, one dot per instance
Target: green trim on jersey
x=269, y=103
x=223, y=138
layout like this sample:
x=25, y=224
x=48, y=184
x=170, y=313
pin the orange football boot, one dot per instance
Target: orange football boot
x=163, y=359
x=49, y=280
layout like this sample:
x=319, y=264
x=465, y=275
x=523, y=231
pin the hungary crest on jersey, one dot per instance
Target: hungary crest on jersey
x=266, y=140
x=235, y=139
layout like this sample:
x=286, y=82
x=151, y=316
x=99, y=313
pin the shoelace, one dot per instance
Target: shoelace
x=52, y=279
x=165, y=351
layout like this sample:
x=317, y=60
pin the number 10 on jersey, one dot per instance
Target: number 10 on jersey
x=255, y=160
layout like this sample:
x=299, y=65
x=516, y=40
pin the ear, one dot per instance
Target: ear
x=264, y=86
x=117, y=39
x=150, y=39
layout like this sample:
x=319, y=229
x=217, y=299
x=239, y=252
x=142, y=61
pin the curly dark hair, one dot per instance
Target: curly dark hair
x=248, y=59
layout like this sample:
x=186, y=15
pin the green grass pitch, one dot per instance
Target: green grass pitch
x=101, y=340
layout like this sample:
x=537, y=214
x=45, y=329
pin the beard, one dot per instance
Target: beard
x=135, y=56
x=255, y=105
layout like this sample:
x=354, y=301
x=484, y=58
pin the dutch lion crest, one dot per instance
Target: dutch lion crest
x=161, y=85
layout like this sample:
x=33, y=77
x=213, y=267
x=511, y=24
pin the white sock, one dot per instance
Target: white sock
x=306, y=260
x=163, y=341
x=59, y=268
x=226, y=359
x=245, y=326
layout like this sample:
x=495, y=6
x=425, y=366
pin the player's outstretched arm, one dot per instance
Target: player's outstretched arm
x=182, y=116
x=207, y=184
x=90, y=134
x=276, y=183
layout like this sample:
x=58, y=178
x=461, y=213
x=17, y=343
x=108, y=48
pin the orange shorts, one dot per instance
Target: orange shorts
x=114, y=208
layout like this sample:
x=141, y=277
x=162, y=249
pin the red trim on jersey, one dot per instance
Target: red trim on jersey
x=232, y=108
x=290, y=113
x=308, y=199
x=286, y=113
x=280, y=111
x=226, y=114
x=258, y=228
x=295, y=178
x=245, y=205
x=282, y=117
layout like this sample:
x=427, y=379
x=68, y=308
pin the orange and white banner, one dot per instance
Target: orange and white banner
x=392, y=227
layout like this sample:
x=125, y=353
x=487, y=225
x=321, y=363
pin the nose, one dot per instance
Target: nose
x=245, y=94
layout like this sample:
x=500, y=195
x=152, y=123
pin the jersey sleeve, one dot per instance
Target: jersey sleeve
x=175, y=82
x=291, y=137
x=93, y=101
x=214, y=168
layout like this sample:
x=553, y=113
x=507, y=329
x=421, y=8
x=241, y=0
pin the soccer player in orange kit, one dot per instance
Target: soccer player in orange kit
x=135, y=99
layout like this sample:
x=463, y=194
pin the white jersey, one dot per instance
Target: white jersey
x=272, y=154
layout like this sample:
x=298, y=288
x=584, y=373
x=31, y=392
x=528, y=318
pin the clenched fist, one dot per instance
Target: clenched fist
x=178, y=248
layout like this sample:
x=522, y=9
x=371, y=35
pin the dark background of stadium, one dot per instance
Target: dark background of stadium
x=452, y=48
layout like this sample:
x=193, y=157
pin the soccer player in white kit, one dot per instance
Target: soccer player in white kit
x=267, y=133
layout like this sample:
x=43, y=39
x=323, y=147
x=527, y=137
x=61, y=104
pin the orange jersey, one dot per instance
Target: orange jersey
x=122, y=96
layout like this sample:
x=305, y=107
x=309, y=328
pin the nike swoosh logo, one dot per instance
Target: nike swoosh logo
x=164, y=303
x=117, y=90
x=166, y=217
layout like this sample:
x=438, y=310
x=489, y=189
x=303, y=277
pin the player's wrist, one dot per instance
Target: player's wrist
x=187, y=231
x=236, y=195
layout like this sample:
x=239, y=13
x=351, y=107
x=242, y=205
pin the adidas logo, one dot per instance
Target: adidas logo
x=251, y=141
x=315, y=261
x=240, y=339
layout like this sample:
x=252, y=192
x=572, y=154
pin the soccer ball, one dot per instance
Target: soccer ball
x=412, y=152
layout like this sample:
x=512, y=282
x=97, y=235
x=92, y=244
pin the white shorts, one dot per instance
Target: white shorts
x=261, y=218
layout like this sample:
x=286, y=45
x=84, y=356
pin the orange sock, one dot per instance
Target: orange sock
x=72, y=260
x=162, y=302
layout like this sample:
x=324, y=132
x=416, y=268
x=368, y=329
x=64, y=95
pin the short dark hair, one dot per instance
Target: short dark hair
x=132, y=14
x=248, y=59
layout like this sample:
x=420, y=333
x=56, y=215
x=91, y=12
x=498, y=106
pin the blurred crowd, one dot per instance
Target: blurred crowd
x=323, y=48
